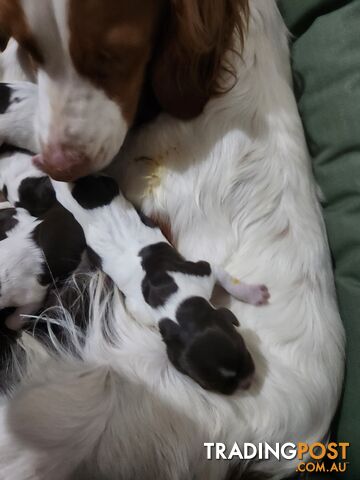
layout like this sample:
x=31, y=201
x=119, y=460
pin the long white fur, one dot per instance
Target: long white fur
x=238, y=188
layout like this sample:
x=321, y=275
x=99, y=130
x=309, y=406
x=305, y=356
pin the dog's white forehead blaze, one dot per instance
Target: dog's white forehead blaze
x=79, y=115
x=71, y=111
x=49, y=29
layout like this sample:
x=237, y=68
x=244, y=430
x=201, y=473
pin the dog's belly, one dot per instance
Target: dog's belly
x=234, y=206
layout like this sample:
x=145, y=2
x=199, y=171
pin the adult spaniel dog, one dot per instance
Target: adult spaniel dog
x=225, y=170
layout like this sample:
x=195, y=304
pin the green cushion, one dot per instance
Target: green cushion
x=326, y=67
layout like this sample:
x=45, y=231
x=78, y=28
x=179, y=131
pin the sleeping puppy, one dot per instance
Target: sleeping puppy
x=40, y=242
x=35, y=253
x=161, y=287
x=21, y=265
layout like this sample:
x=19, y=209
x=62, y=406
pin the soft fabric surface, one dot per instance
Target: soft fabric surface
x=326, y=66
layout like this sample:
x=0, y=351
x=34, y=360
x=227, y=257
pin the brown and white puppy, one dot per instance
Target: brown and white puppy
x=162, y=288
x=35, y=254
x=92, y=60
x=41, y=243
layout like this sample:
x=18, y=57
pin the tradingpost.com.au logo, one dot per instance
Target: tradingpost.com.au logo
x=315, y=457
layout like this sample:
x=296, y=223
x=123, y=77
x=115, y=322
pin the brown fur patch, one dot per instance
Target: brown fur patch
x=191, y=58
x=13, y=24
x=112, y=45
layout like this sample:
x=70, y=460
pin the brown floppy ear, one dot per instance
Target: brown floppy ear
x=189, y=60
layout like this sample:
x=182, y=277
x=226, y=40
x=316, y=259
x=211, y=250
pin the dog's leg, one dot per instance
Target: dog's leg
x=253, y=294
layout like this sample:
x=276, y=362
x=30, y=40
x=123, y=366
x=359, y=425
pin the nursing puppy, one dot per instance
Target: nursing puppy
x=163, y=288
x=40, y=242
x=35, y=254
x=91, y=63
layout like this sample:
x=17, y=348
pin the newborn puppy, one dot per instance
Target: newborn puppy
x=40, y=242
x=21, y=265
x=35, y=253
x=161, y=287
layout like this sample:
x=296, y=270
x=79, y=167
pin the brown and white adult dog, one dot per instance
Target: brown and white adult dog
x=92, y=58
x=236, y=184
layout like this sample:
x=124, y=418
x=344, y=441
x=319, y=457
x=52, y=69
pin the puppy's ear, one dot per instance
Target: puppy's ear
x=190, y=58
x=227, y=316
x=157, y=288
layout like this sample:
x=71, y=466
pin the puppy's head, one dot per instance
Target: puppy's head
x=92, y=58
x=205, y=345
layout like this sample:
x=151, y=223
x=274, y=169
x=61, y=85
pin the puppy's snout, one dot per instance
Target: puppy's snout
x=63, y=163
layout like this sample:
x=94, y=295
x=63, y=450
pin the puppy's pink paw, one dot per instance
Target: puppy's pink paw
x=258, y=295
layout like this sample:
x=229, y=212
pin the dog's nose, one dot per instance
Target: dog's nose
x=63, y=163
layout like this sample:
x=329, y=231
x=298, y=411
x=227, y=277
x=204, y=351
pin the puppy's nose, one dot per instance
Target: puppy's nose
x=63, y=163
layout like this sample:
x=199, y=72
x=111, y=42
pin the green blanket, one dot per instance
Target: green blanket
x=326, y=68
